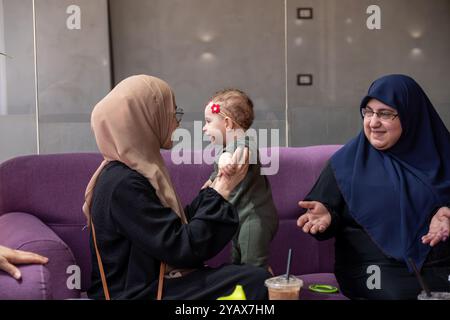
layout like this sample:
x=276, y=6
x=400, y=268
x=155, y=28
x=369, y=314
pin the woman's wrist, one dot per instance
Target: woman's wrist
x=221, y=190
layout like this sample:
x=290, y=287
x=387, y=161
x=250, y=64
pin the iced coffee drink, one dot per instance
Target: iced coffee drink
x=281, y=288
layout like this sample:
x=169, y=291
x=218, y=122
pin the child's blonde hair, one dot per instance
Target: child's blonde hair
x=237, y=105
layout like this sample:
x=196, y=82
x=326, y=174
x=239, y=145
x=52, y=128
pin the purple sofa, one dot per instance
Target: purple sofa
x=40, y=210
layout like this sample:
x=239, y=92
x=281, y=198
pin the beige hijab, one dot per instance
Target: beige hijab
x=130, y=125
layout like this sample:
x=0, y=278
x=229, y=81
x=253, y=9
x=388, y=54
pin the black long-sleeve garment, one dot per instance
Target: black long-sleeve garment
x=355, y=252
x=135, y=232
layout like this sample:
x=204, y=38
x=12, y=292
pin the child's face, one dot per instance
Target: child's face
x=215, y=126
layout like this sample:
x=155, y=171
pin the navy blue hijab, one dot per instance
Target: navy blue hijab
x=393, y=194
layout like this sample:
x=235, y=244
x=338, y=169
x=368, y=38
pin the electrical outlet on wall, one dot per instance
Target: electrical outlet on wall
x=304, y=79
x=304, y=13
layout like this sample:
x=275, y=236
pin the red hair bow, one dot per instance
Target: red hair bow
x=215, y=108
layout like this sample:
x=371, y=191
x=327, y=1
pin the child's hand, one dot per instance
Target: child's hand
x=229, y=163
x=207, y=184
x=225, y=184
x=226, y=165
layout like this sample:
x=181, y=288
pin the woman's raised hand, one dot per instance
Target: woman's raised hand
x=439, y=227
x=224, y=184
x=316, y=219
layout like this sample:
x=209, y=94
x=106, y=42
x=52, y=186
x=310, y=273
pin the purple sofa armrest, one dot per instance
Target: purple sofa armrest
x=32, y=286
x=24, y=231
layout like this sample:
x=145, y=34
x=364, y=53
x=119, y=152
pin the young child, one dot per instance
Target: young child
x=227, y=117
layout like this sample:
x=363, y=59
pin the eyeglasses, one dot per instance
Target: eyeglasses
x=383, y=115
x=179, y=112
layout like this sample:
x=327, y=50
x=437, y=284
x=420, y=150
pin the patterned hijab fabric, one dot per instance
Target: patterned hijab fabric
x=392, y=194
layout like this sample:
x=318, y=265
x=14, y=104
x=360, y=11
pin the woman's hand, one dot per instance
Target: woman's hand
x=228, y=162
x=316, y=219
x=224, y=184
x=207, y=184
x=439, y=227
x=9, y=257
x=228, y=170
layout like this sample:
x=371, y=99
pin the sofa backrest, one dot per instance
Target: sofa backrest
x=299, y=168
x=52, y=187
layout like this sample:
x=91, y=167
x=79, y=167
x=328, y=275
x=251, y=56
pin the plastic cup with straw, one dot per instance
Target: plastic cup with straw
x=284, y=286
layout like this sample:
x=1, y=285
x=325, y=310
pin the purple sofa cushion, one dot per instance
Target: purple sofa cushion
x=23, y=231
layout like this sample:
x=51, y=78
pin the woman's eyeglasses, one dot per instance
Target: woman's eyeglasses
x=179, y=112
x=383, y=115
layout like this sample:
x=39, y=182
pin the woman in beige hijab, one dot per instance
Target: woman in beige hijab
x=139, y=230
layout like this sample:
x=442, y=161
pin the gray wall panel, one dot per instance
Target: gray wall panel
x=200, y=47
x=74, y=72
x=344, y=57
x=17, y=95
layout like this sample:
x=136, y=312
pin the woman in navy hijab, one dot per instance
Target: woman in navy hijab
x=385, y=197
